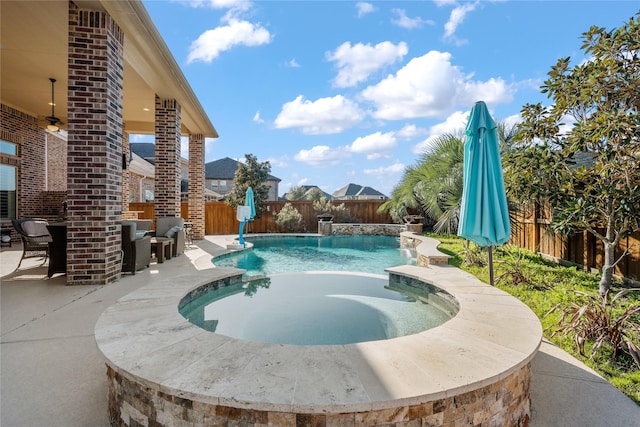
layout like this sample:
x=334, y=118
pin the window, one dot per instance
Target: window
x=8, y=182
x=8, y=148
x=8, y=179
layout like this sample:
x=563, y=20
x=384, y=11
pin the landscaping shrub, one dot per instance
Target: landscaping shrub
x=341, y=213
x=289, y=219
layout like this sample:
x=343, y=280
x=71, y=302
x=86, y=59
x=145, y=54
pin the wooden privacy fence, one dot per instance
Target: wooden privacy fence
x=220, y=218
x=532, y=231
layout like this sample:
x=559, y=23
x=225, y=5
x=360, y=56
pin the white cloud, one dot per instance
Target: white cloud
x=184, y=147
x=404, y=21
x=454, y=124
x=410, y=132
x=218, y=4
x=320, y=155
x=293, y=64
x=364, y=8
x=356, y=63
x=386, y=170
x=278, y=162
x=137, y=137
x=236, y=33
x=323, y=116
x=441, y=3
x=375, y=145
x=430, y=86
x=457, y=17
x=257, y=118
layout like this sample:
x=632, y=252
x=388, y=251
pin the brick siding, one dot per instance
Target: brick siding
x=95, y=147
x=196, y=185
x=23, y=129
x=167, y=157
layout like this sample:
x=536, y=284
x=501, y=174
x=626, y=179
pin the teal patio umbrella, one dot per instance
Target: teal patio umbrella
x=484, y=214
x=246, y=213
x=249, y=201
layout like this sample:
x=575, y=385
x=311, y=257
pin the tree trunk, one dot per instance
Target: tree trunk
x=607, y=268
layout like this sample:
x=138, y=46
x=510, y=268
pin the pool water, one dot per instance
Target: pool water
x=319, y=308
x=363, y=253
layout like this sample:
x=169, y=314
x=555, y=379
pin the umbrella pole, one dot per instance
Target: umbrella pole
x=491, y=265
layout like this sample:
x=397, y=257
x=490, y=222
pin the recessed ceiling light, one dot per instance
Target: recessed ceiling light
x=145, y=109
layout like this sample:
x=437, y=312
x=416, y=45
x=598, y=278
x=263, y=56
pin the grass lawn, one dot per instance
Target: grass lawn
x=543, y=285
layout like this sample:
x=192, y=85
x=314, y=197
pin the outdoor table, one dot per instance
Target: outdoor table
x=163, y=247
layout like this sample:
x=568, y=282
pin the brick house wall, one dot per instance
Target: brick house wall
x=56, y=162
x=24, y=130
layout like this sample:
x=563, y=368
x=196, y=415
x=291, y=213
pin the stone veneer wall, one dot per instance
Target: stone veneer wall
x=503, y=403
x=374, y=229
x=94, y=169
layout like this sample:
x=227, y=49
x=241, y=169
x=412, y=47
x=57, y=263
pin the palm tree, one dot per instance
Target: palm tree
x=440, y=181
x=434, y=185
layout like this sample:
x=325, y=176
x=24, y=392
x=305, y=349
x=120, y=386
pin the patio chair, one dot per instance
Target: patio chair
x=172, y=226
x=136, y=248
x=35, y=238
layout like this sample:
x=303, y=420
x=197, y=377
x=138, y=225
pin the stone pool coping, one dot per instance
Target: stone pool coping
x=144, y=338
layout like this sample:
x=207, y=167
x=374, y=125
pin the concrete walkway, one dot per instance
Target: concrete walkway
x=52, y=373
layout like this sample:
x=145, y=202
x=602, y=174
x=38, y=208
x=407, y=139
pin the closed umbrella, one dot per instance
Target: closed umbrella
x=246, y=213
x=484, y=214
x=249, y=201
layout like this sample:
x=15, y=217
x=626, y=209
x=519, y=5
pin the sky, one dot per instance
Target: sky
x=337, y=92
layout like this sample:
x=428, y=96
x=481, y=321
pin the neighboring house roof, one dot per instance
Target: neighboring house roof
x=146, y=150
x=141, y=167
x=370, y=192
x=354, y=191
x=308, y=188
x=226, y=169
x=583, y=158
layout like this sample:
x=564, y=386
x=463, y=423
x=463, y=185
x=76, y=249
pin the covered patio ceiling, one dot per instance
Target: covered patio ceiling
x=33, y=39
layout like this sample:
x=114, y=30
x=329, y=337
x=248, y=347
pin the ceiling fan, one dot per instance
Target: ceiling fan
x=52, y=119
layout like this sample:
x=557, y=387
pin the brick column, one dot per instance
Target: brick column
x=94, y=171
x=167, y=158
x=196, y=185
x=126, y=173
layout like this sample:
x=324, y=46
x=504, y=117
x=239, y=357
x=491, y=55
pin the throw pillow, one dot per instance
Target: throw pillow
x=172, y=231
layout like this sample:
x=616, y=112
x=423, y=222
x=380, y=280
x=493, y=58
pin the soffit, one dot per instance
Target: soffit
x=33, y=39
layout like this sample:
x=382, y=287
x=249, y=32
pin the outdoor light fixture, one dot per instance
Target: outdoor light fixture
x=52, y=119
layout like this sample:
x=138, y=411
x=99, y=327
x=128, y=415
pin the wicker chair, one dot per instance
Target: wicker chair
x=35, y=238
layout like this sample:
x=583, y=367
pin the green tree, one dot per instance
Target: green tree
x=252, y=174
x=296, y=193
x=314, y=194
x=589, y=173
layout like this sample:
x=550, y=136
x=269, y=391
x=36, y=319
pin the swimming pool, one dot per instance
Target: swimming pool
x=163, y=369
x=316, y=308
x=279, y=254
